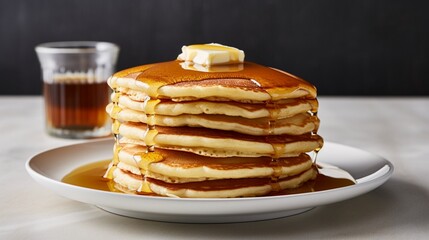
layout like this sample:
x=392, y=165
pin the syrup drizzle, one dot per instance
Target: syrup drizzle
x=144, y=159
x=278, y=148
x=115, y=131
x=317, y=150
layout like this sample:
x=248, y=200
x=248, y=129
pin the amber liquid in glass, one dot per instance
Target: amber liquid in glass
x=76, y=106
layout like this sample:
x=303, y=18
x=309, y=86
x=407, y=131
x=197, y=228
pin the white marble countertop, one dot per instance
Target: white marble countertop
x=395, y=128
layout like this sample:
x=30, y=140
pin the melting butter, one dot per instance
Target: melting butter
x=211, y=54
x=217, y=68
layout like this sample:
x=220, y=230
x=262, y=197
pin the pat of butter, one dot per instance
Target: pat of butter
x=211, y=54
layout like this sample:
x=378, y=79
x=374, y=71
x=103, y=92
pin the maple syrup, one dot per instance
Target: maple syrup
x=89, y=176
x=76, y=106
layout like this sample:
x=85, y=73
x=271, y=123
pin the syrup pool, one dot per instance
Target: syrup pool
x=91, y=176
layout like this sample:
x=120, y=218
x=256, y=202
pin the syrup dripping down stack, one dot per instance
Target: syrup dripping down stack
x=230, y=133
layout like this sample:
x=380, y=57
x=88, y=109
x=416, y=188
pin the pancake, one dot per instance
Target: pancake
x=224, y=188
x=218, y=143
x=255, y=83
x=187, y=167
x=296, y=125
x=281, y=109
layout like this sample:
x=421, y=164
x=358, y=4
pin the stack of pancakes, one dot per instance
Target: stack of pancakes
x=187, y=133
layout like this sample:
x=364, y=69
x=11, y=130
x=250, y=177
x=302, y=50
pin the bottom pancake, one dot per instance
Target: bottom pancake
x=225, y=188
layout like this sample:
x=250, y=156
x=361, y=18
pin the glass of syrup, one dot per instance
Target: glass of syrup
x=74, y=87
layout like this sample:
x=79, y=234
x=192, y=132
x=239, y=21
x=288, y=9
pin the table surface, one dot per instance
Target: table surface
x=395, y=128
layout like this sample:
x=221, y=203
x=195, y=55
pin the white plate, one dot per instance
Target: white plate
x=49, y=167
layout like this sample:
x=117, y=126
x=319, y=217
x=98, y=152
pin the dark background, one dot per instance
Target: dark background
x=344, y=47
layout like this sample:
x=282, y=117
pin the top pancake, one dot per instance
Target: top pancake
x=254, y=83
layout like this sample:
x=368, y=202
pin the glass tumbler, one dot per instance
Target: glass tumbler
x=74, y=87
